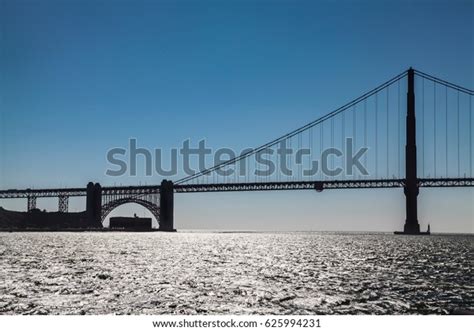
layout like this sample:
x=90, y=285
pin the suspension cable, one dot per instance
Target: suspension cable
x=443, y=82
x=296, y=131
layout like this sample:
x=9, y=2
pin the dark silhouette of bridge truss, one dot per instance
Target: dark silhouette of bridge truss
x=158, y=199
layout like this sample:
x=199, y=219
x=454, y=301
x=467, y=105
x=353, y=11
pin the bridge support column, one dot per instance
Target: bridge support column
x=63, y=203
x=411, y=189
x=167, y=206
x=94, y=204
x=31, y=202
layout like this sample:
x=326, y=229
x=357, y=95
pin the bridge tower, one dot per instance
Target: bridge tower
x=411, y=189
x=166, y=205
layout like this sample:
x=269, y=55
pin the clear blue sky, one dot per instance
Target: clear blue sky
x=80, y=77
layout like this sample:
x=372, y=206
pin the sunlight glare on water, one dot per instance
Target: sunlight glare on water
x=234, y=273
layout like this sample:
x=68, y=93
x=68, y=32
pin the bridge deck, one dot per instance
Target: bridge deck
x=237, y=187
x=322, y=185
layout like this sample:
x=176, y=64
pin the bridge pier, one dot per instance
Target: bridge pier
x=94, y=203
x=411, y=223
x=167, y=205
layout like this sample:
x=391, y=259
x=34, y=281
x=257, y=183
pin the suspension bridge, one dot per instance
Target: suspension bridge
x=404, y=151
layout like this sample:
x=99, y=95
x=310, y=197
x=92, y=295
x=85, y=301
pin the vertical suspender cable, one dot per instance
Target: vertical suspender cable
x=354, y=142
x=290, y=166
x=388, y=147
x=470, y=136
x=332, y=141
x=343, y=135
x=376, y=135
x=459, y=142
x=257, y=167
x=423, y=125
x=321, y=146
x=446, y=131
x=434, y=126
x=248, y=169
x=279, y=165
x=365, y=132
x=300, y=165
x=398, y=121
x=310, y=145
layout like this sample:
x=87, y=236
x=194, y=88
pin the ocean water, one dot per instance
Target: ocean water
x=235, y=273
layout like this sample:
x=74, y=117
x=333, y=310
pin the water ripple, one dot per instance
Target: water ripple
x=234, y=273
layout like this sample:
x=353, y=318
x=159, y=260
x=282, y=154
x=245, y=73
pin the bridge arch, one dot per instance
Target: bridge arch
x=110, y=206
